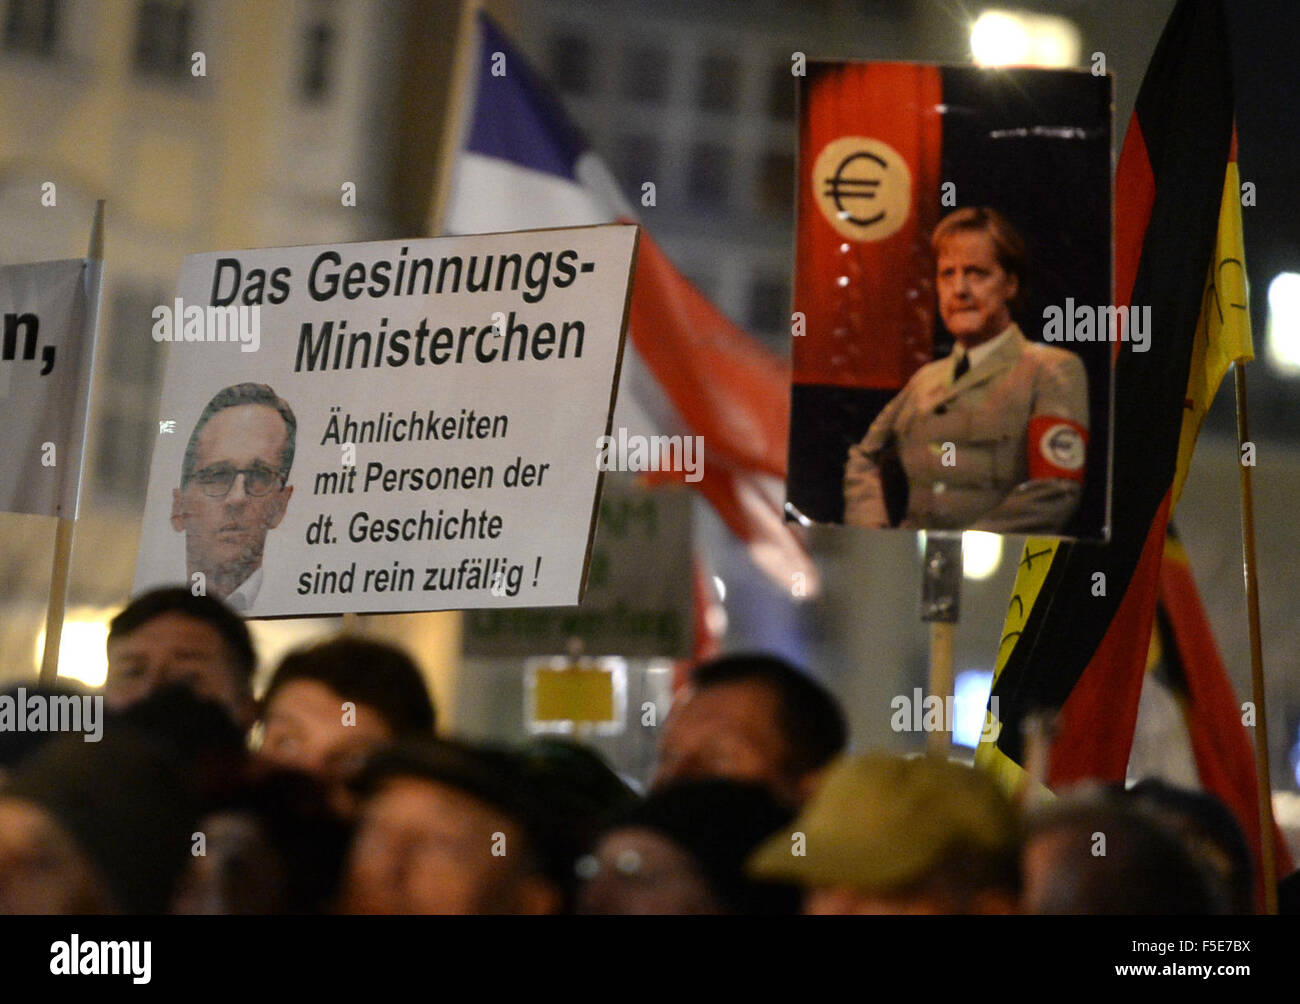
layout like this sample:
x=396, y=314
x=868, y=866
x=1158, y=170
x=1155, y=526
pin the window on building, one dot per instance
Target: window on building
x=318, y=60
x=719, y=84
x=776, y=184
x=128, y=395
x=164, y=38
x=645, y=74
x=572, y=64
x=780, y=92
x=32, y=26
x=636, y=162
x=710, y=175
x=769, y=303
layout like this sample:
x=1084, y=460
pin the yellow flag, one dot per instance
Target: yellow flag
x=1223, y=330
x=1030, y=576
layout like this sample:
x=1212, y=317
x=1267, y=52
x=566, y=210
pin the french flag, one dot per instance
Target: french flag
x=687, y=370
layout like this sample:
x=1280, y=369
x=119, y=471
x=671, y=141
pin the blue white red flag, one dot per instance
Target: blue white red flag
x=687, y=370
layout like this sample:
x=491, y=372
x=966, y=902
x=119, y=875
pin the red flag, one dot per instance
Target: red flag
x=1225, y=759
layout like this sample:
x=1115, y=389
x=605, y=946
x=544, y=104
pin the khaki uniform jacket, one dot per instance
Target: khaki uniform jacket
x=985, y=416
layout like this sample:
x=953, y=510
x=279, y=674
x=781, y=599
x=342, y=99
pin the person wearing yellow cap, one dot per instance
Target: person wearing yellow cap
x=895, y=834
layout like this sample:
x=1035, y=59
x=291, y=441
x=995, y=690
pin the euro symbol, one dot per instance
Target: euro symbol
x=842, y=189
x=862, y=188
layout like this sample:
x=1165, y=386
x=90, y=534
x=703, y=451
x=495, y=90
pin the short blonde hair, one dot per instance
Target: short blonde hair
x=1008, y=245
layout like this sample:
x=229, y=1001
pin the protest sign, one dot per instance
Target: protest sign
x=920, y=398
x=389, y=426
x=45, y=364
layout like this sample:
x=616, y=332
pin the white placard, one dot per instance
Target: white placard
x=448, y=397
x=45, y=362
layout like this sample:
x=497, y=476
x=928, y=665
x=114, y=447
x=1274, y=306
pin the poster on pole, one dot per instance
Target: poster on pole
x=46, y=357
x=388, y=426
x=955, y=325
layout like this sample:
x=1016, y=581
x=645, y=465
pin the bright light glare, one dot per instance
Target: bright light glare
x=998, y=38
x=981, y=553
x=1007, y=38
x=81, y=653
x=971, y=692
x=1283, y=339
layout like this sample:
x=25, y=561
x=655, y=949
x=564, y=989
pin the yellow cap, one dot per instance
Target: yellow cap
x=880, y=822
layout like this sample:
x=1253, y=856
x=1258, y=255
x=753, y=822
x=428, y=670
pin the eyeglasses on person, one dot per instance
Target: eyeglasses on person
x=217, y=480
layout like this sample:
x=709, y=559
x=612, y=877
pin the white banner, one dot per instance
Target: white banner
x=391, y=426
x=45, y=363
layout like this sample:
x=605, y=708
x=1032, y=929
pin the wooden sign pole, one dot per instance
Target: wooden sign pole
x=58, y=600
x=941, y=606
x=1250, y=570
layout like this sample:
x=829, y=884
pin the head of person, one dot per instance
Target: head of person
x=42, y=868
x=1211, y=835
x=207, y=750
x=272, y=846
x=330, y=704
x=102, y=827
x=234, y=483
x=889, y=834
x=446, y=828
x=15, y=745
x=752, y=718
x=682, y=851
x=1288, y=894
x=980, y=272
x=170, y=636
x=581, y=775
x=582, y=792
x=1094, y=853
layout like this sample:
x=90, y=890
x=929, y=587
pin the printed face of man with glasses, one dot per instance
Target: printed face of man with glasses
x=234, y=489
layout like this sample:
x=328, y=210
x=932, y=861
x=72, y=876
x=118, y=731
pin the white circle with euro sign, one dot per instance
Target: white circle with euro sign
x=863, y=187
x=1062, y=446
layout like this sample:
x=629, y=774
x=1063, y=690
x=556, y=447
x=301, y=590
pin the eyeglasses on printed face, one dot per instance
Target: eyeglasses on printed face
x=217, y=480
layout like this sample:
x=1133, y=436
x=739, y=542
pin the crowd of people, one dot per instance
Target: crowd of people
x=337, y=793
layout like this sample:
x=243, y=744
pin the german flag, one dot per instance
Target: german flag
x=1080, y=618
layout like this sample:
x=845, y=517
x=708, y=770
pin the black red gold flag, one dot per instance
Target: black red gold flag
x=1080, y=618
